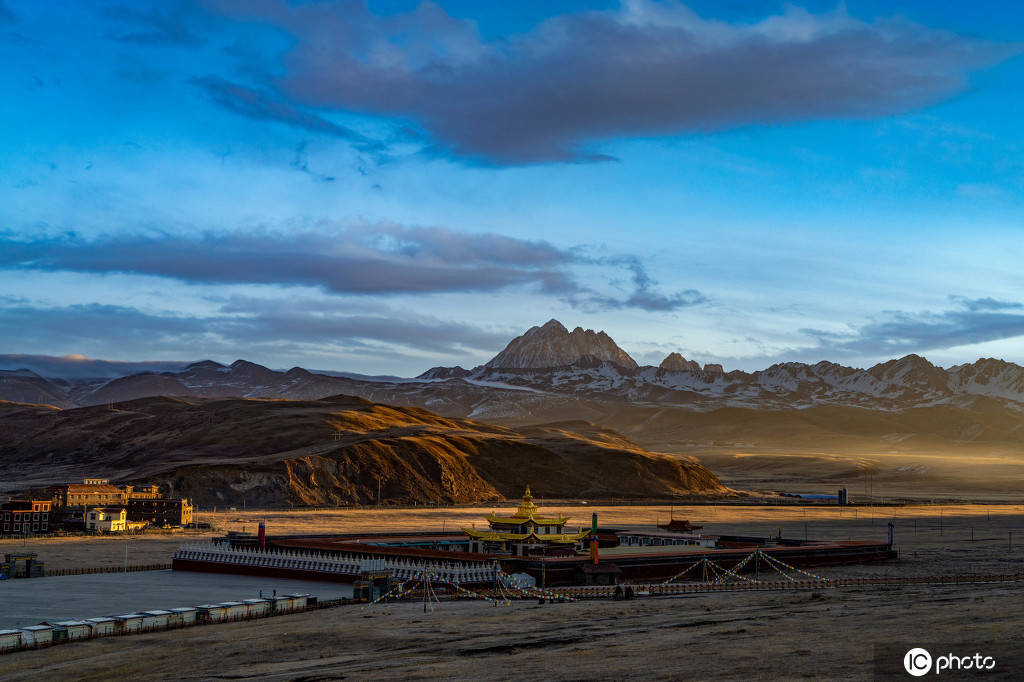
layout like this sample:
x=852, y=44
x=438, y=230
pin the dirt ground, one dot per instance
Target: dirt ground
x=820, y=634
x=825, y=634
x=101, y=552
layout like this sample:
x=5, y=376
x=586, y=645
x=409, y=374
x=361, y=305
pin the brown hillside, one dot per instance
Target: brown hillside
x=331, y=451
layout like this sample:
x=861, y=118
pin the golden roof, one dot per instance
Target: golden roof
x=518, y=520
x=560, y=538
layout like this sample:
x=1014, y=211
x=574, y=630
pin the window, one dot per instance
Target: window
x=17, y=516
x=17, y=527
x=7, y=527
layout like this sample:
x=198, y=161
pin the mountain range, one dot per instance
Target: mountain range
x=550, y=371
x=916, y=428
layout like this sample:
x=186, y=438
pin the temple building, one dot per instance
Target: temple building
x=526, y=532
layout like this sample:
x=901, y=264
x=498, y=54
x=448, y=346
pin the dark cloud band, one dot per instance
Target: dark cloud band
x=379, y=259
x=248, y=324
x=893, y=333
x=646, y=69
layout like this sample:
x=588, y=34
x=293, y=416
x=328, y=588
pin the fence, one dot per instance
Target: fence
x=348, y=564
x=656, y=590
x=107, y=569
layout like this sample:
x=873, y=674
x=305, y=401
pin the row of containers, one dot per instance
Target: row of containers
x=59, y=632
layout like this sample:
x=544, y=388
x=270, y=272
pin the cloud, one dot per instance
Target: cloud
x=378, y=259
x=258, y=105
x=896, y=332
x=645, y=69
x=317, y=322
x=301, y=163
x=643, y=295
x=645, y=298
x=247, y=323
x=170, y=25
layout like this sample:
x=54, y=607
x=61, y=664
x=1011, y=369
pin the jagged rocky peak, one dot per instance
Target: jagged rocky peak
x=456, y=372
x=205, y=364
x=714, y=368
x=552, y=345
x=677, y=363
x=910, y=369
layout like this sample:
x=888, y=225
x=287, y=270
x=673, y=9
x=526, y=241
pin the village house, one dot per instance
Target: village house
x=106, y=519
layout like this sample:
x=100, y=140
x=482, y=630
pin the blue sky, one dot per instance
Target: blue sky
x=384, y=187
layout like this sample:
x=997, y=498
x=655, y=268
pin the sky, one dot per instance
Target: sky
x=382, y=187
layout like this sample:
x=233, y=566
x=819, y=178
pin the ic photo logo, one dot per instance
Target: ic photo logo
x=918, y=662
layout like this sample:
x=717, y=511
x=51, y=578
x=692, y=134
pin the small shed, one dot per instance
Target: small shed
x=300, y=601
x=234, y=610
x=155, y=620
x=282, y=604
x=36, y=635
x=67, y=630
x=128, y=623
x=256, y=608
x=10, y=640
x=183, y=615
x=102, y=626
x=211, y=613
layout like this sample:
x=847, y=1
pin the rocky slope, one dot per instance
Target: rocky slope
x=329, y=452
x=552, y=345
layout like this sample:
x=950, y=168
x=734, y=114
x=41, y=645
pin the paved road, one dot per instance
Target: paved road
x=30, y=601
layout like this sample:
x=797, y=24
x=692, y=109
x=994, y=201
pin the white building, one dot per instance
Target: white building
x=106, y=519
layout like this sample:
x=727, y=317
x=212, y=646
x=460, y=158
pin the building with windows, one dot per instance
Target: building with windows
x=89, y=494
x=106, y=519
x=98, y=492
x=23, y=517
x=160, y=511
